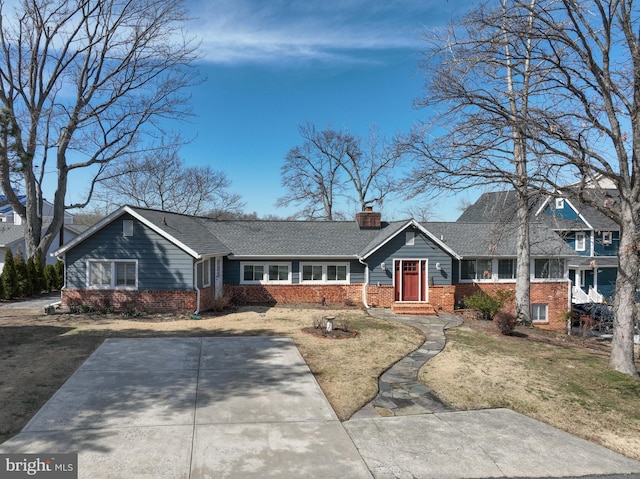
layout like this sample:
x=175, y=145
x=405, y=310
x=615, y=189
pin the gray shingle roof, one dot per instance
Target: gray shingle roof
x=500, y=207
x=191, y=231
x=490, y=239
x=298, y=238
x=9, y=233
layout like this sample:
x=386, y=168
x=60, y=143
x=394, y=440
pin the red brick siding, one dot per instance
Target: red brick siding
x=148, y=301
x=555, y=294
x=293, y=293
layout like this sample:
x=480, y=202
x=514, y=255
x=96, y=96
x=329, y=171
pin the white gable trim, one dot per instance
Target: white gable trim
x=422, y=229
x=114, y=216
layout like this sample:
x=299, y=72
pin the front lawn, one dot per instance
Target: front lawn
x=562, y=381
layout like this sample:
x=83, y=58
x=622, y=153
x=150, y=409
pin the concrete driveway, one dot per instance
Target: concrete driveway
x=194, y=408
x=248, y=407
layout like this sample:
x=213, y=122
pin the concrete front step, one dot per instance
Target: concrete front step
x=407, y=307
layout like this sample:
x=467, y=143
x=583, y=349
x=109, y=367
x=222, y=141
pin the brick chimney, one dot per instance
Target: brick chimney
x=369, y=219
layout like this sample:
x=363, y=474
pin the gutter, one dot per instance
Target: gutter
x=195, y=285
x=366, y=282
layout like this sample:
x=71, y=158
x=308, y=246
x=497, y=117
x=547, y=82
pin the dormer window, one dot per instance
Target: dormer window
x=559, y=203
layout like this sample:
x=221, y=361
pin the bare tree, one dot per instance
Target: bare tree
x=83, y=84
x=481, y=85
x=370, y=166
x=163, y=181
x=311, y=172
x=334, y=164
x=589, y=125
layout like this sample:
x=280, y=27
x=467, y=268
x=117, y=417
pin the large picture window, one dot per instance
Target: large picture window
x=551, y=268
x=112, y=274
x=324, y=272
x=476, y=269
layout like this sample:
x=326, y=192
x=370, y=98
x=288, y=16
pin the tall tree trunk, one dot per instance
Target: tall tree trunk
x=621, y=358
x=523, y=251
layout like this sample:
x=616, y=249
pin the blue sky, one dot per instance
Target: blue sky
x=271, y=65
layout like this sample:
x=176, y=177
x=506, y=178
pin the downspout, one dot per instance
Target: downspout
x=195, y=285
x=366, y=282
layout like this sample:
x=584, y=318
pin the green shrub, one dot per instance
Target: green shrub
x=50, y=280
x=23, y=280
x=9, y=276
x=59, y=267
x=488, y=304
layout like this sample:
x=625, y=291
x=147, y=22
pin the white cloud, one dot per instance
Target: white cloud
x=251, y=31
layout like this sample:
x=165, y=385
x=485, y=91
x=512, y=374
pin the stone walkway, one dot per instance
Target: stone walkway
x=399, y=391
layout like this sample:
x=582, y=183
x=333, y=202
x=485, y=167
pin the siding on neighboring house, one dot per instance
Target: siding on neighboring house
x=600, y=249
x=162, y=265
x=567, y=213
x=423, y=248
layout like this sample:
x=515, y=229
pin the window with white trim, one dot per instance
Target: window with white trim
x=324, y=272
x=506, y=269
x=607, y=238
x=476, y=269
x=539, y=313
x=112, y=274
x=552, y=268
x=203, y=272
x=265, y=272
x=252, y=273
x=559, y=203
x=278, y=272
x=581, y=241
x=312, y=272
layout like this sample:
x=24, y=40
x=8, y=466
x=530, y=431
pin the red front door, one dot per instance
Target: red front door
x=407, y=281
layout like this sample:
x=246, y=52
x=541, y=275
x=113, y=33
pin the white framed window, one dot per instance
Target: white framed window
x=551, y=268
x=127, y=228
x=324, y=272
x=203, y=272
x=476, y=269
x=607, y=238
x=539, y=313
x=506, y=269
x=559, y=203
x=312, y=273
x=265, y=272
x=112, y=274
x=410, y=238
x=581, y=241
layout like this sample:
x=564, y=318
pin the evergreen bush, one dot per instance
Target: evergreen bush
x=9, y=276
x=22, y=273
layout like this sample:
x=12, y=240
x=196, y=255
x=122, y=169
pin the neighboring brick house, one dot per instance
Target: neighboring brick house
x=163, y=261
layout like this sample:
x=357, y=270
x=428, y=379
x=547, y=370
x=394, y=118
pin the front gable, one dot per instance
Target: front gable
x=413, y=242
x=160, y=264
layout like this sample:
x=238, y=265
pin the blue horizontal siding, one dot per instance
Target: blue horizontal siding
x=161, y=264
x=424, y=248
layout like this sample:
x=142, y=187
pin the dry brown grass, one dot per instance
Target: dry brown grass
x=561, y=382
x=38, y=353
